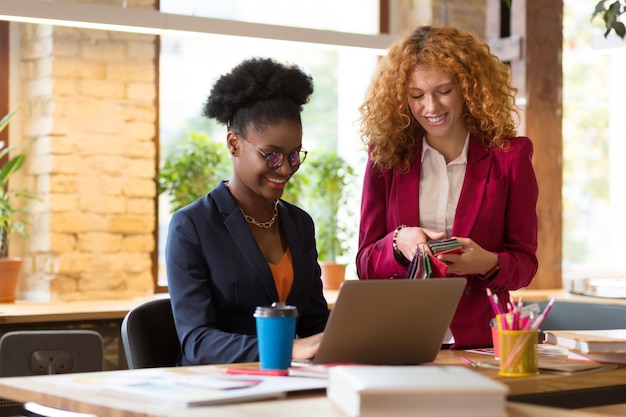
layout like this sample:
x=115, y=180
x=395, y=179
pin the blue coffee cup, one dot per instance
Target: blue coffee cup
x=276, y=329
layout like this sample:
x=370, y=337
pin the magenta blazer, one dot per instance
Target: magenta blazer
x=497, y=209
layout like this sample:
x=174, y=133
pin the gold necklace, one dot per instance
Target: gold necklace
x=263, y=225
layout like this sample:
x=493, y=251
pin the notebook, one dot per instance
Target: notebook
x=389, y=322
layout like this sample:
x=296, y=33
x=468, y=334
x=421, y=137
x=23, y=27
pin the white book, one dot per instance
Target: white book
x=602, y=357
x=588, y=341
x=415, y=391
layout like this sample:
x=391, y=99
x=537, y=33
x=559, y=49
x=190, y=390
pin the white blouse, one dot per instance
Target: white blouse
x=440, y=187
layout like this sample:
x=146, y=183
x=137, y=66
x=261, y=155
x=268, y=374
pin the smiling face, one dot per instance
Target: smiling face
x=250, y=166
x=437, y=104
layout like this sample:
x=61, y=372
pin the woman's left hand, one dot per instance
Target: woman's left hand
x=473, y=260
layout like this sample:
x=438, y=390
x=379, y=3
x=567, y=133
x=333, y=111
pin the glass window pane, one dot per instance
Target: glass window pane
x=356, y=16
x=594, y=201
x=190, y=65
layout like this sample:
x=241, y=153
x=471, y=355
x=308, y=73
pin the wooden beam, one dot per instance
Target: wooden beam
x=384, y=24
x=4, y=68
x=4, y=79
x=539, y=77
x=534, y=51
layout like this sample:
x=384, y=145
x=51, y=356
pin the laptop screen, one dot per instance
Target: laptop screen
x=389, y=322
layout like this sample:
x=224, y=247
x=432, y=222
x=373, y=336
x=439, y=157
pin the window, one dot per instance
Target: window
x=354, y=16
x=189, y=65
x=594, y=147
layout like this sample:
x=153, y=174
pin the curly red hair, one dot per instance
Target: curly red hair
x=389, y=129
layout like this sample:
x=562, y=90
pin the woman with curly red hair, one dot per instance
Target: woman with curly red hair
x=444, y=160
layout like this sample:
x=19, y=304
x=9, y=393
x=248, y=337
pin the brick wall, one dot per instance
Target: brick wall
x=88, y=106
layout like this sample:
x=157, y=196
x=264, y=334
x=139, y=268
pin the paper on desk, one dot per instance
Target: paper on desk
x=543, y=351
x=186, y=389
x=556, y=365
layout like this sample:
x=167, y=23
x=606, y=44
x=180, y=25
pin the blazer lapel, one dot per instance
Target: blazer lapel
x=407, y=191
x=241, y=235
x=473, y=189
x=294, y=244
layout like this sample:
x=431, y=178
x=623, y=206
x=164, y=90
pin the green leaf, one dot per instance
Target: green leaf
x=12, y=165
x=611, y=16
x=619, y=29
x=191, y=168
x=4, y=122
x=599, y=9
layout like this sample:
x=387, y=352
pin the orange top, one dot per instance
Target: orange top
x=283, y=275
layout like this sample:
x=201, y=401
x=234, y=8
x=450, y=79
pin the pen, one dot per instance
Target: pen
x=493, y=301
x=478, y=364
x=256, y=371
x=468, y=361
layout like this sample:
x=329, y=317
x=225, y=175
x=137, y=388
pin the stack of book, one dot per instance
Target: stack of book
x=415, y=391
x=606, y=346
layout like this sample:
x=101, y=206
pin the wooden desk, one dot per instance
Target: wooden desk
x=555, y=390
x=302, y=405
x=43, y=389
x=47, y=390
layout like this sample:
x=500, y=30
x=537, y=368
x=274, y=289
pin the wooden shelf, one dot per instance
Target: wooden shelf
x=68, y=311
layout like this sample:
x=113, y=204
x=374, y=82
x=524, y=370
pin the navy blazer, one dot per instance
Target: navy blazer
x=217, y=276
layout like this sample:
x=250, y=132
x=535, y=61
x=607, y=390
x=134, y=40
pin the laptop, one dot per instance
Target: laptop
x=389, y=322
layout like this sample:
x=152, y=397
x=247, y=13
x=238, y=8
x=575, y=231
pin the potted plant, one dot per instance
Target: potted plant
x=191, y=168
x=328, y=190
x=9, y=223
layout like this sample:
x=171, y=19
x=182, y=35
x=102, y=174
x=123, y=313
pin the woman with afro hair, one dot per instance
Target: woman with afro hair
x=444, y=160
x=241, y=246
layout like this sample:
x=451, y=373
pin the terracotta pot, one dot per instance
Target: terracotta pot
x=333, y=275
x=9, y=274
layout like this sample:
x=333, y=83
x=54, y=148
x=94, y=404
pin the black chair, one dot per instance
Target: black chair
x=149, y=335
x=39, y=352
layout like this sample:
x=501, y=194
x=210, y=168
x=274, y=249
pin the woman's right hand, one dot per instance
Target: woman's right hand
x=306, y=347
x=408, y=239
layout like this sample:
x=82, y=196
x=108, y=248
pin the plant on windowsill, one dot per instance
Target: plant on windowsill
x=10, y=222
x=328, y=188
x=191, y=168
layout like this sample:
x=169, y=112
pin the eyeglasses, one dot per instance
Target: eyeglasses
x=275, y=159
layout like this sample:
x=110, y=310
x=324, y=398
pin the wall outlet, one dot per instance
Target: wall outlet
x=44, y=362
